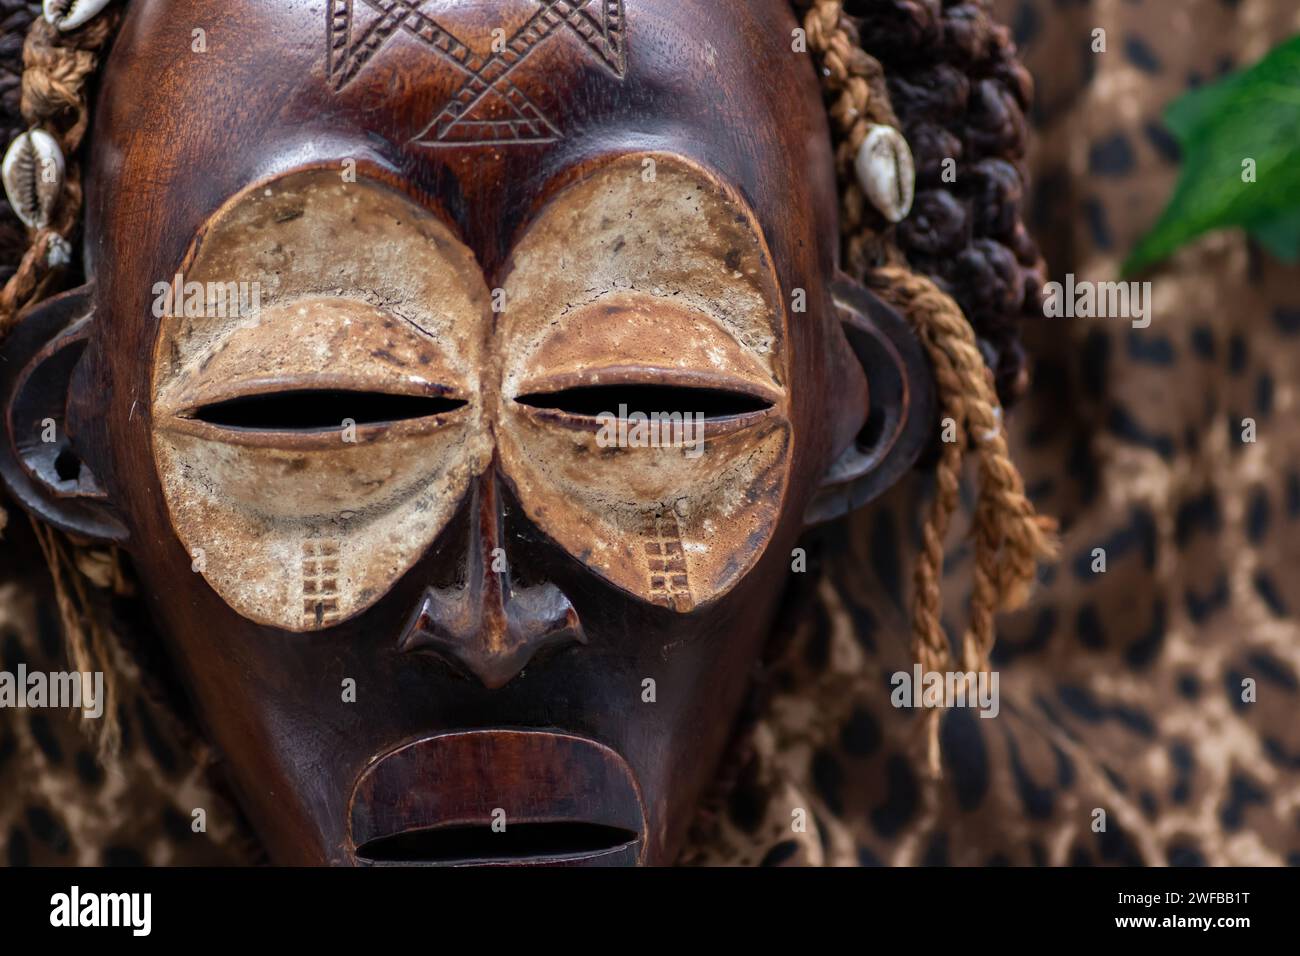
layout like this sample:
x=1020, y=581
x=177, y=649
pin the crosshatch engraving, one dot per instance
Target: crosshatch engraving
x=320, y=581
x=670, y=585
x=488, y=108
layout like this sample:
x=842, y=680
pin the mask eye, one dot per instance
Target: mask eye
x=591, y=401
x=316, y=410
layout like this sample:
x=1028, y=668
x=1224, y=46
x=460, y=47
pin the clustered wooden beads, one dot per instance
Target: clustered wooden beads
x=955, y=259
x=943, y=75
x=961, y=98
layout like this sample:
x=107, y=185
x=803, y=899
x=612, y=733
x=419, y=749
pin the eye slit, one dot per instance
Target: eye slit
x=591, y=401
x=311, y=410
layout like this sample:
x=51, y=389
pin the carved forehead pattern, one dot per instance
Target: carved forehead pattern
x=625, y=281
x=485, y=106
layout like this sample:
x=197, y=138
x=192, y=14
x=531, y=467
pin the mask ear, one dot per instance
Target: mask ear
x=900, y=404
x=44, y=379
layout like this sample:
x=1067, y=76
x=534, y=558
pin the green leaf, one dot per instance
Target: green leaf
x=1280, y=236
x=1253, y=115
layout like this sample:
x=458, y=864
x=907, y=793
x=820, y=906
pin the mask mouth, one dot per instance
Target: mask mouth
x=458, y=845
x=498, y=798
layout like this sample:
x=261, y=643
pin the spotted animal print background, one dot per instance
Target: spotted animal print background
x=1120, y=691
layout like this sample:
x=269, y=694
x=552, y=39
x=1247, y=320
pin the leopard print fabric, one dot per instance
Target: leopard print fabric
x=1120, y=692
x=65, y=803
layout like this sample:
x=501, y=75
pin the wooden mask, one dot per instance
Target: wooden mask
x=460, y=376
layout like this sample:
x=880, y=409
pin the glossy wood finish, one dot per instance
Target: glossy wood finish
x=653, y=685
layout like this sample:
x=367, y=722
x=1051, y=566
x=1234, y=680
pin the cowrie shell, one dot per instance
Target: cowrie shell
x=60, y=253
x=887, y=172
x=33, y=177
x=69, y=14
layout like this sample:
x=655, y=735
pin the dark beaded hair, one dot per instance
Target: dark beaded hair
x=961, y=97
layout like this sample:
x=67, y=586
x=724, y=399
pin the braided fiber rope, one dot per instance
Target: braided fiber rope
x=857, y=99
x=1010, y=538
x=960, y=95
x=91, y=645
x=16, y=18
x=54, y=97
x=56, y=70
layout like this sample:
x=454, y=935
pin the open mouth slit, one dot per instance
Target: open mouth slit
x=480, y=844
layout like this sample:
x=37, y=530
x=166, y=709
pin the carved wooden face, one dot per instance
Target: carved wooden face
x=461, y=386
x=345, y=412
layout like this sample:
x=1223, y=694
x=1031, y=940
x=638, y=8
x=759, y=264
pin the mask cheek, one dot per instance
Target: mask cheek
x=305, y=539
x=673, y=526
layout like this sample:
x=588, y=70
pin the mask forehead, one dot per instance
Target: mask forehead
x=475, y=107
x=488, y=62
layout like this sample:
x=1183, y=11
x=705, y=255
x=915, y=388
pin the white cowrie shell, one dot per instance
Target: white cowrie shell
x=887, y=172
x=69, y=14
x=33, y=177
x=60, y=253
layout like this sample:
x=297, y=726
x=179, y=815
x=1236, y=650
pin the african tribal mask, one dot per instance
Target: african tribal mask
x=385, y=302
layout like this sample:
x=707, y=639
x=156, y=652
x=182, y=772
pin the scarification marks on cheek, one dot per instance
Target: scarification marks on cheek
x=320, y=582
x=669, y=584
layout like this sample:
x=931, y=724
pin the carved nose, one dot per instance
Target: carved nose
x=489, y=626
